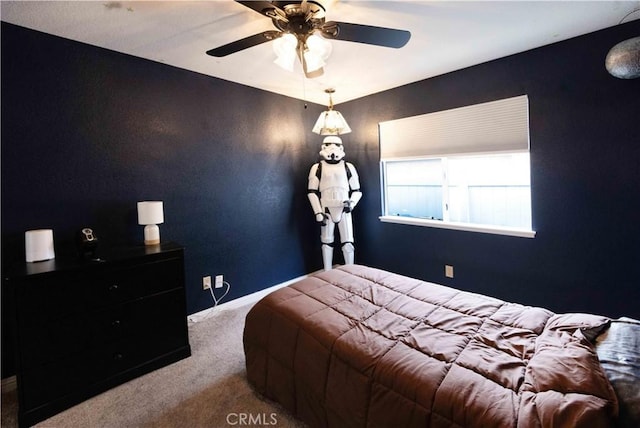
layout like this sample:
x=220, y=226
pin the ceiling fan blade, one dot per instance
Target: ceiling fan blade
x=265, y=8
x=258, y=6
x=245, y=43
x=380, y=36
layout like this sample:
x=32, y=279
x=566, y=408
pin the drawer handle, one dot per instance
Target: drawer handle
x=116, y=324
x=118, y=356
x=113, y=287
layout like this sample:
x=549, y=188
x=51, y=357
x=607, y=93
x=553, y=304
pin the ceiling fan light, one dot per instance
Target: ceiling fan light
x=285, y=50
x=285, y=61
x=313, y=61
x=319, y=46
x=286, y=42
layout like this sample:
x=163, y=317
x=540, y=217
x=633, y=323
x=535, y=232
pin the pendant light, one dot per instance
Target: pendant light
x=331, y=121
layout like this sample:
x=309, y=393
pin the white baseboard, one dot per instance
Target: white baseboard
x=244, y=300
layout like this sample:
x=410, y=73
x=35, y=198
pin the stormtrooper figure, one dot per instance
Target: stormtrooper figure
x=334, y=190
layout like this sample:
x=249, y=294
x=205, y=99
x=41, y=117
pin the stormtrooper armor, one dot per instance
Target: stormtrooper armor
x=334, y=190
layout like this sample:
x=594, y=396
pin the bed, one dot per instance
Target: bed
x=362, y=347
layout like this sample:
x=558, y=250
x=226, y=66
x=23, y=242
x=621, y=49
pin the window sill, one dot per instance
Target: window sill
x=496, y=230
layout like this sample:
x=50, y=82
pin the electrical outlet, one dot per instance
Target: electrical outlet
x=448, y=271
x=206, y=282
x=219, y=281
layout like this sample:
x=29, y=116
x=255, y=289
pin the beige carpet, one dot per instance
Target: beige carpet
x=209, y=389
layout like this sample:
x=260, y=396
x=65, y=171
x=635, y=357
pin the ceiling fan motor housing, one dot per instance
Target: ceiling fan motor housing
x=300, y=18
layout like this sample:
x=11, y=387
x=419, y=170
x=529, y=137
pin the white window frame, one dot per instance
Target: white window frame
x=492, y=128
x=470, y=227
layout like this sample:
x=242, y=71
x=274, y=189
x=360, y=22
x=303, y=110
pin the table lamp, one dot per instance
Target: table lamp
x=151, y=214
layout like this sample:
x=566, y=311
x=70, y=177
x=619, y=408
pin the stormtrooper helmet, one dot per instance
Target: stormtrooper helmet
x=332, y=150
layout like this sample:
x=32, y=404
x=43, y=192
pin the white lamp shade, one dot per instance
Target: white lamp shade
x=331, y=122
x=319, y=46
x=285, y=50
x=150, y=212
x=286, y=61
x=39, y=245
x=285, y=44
x=318, y=50
x=314, y=62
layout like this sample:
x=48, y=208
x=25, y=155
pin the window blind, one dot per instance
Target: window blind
x=495, y=126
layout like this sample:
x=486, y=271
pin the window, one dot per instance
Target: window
x=465, y=169
x=488, y=190
x=415, y=189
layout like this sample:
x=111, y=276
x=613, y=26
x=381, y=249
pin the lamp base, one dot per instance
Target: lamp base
x=151, y=234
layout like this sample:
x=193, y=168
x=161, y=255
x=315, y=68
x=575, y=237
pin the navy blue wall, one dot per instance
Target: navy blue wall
x=585, y=172
x=86, y=133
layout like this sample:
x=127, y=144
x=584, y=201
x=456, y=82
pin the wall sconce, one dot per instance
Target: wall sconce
x=331, y=121
x=150, y=215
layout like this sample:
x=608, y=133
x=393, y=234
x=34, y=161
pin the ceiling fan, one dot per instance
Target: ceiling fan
x=302, y=30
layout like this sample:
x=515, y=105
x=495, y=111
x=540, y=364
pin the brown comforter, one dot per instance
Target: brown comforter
x=358, y=346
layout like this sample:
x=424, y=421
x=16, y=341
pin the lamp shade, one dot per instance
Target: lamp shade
x=150, y=212
x=285, y=49
x=39, y=245
x=317, y=51
x=319, y=45
x=312, y=49
x=313, y=61
x=331, y=122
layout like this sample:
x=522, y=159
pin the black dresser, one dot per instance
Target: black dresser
x=82, y=327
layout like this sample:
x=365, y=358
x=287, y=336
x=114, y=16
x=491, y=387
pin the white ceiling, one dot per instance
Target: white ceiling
x=446, y=36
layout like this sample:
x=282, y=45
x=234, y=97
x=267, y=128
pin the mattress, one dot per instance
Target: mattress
x=362, y=347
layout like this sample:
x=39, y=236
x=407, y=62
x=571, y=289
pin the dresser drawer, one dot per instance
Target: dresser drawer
x=149, y=317
x=88, y=370
x=60, y=295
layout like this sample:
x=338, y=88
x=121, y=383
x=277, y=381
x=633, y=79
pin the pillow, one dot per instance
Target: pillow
x=619, y=353
x=589, y=325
